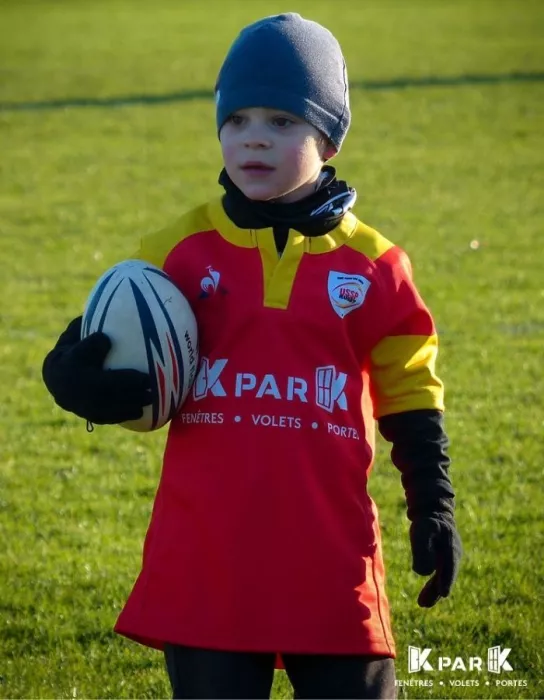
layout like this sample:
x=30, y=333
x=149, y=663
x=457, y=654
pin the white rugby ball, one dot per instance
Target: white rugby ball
x=152, y=329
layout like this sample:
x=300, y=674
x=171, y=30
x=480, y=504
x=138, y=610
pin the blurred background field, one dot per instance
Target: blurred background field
x=107, y=132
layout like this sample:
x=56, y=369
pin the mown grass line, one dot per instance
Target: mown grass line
x=188, y=95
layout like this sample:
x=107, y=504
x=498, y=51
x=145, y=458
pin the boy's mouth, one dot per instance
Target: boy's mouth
x=256, y=166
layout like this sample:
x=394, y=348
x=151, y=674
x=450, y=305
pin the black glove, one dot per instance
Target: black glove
x=74, y=375
x=420, y=453
x=437, y=550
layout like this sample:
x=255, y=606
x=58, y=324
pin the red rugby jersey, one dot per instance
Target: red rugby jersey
x=263, y=536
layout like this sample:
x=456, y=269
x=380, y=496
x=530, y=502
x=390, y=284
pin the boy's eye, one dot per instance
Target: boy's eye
x=282, y=122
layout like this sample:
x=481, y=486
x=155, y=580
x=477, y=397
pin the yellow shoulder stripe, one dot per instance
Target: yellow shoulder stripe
x=368, y=241
x=155, y=247
x=403, y=376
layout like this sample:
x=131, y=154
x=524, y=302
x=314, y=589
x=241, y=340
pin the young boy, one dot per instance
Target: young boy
x=264, y=546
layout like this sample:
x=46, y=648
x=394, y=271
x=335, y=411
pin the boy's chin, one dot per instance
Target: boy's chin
x=261, y=193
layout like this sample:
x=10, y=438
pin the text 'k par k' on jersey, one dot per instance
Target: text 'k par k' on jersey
x=263, y=536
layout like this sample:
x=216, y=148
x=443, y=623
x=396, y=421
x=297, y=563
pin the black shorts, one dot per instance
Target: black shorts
x=207, y=673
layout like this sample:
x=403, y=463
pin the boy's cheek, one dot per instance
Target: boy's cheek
x=228, y=154
x=300, y=159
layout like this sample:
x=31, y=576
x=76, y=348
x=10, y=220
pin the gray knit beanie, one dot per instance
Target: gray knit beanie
x=290, y=63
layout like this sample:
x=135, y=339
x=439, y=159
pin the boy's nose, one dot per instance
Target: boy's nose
x=257, y=143
x=254, y=138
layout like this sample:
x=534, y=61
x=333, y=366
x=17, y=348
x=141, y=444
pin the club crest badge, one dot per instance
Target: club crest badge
x=346, y=292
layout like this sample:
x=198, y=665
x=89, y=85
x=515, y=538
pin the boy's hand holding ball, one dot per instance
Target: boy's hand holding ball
x=73, y=372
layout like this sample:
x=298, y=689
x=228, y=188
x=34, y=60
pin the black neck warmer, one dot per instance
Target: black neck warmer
x=314, y=215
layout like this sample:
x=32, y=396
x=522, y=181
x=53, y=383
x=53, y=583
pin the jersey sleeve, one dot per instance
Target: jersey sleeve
x=402, y=364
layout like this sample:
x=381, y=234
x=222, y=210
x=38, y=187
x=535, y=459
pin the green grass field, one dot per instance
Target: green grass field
x=436, y=166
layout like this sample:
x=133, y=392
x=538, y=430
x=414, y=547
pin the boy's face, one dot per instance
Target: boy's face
x=272, y=154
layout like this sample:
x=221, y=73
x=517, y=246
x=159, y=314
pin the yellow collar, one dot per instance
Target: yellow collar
x=247, y=238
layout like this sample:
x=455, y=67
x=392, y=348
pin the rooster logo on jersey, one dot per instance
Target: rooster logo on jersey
x=210, y=283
